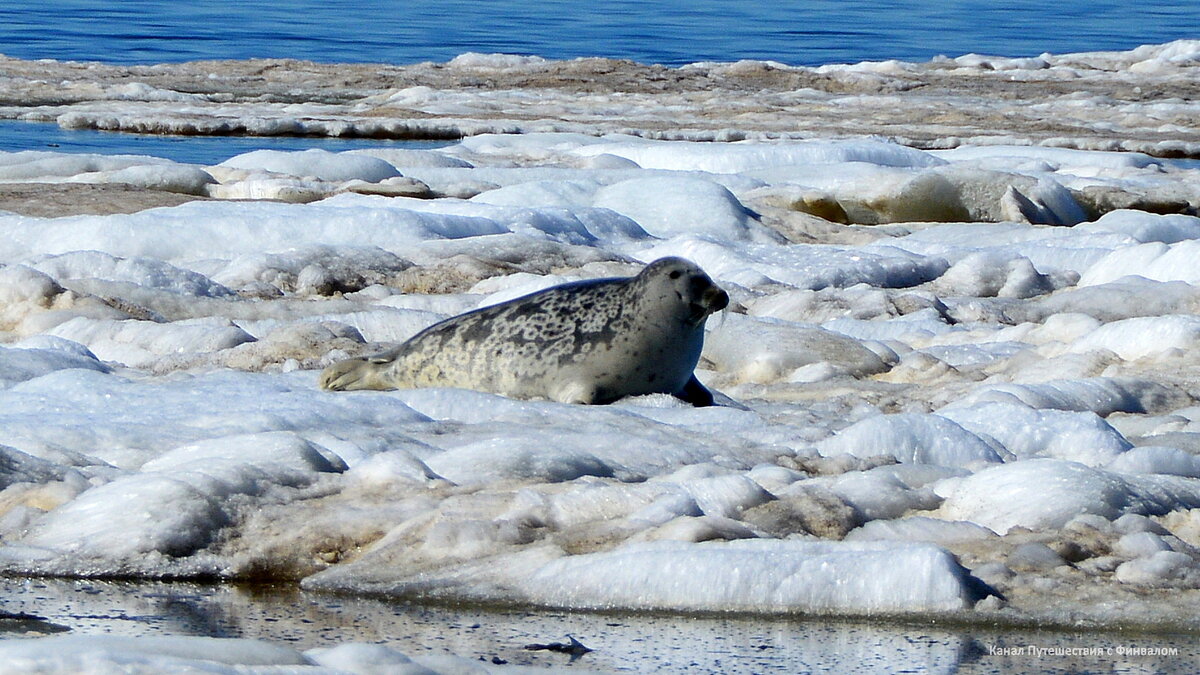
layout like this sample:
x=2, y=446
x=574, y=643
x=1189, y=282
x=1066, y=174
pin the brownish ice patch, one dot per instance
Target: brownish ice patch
x=929, y=106
x=52, y=200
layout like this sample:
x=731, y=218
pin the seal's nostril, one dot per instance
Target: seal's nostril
x=716, y=298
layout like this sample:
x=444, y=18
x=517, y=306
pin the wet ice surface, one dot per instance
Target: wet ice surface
x=473, y=639
x=19, y=135
x=961, y=383
x=1140, y=100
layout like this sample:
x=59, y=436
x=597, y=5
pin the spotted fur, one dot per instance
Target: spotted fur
x=589, y=341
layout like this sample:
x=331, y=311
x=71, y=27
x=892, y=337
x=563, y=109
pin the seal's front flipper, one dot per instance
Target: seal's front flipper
x=700, y=396
x=695, y=393
x=575, y=391
x=352, y=374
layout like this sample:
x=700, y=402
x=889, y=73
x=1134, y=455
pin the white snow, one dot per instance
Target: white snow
x=1026, y=433
x=141, y=654
x=666, y=207
x=320, y=164
x=1041, y=493
x=757, y=576
x=30, y=164
x=923, y=439
x=1157, y=459
x=746, y=157
x=1143, y=337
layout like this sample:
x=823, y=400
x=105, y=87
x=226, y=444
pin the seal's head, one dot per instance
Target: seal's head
x=683, y=282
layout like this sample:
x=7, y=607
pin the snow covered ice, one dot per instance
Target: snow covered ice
x=959, y=376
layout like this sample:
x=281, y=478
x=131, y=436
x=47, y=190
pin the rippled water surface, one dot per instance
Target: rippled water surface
x=663, y=643
x=793, y=31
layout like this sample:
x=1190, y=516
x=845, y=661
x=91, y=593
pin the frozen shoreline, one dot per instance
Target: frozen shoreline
x=1142, y=100
x=968, y=375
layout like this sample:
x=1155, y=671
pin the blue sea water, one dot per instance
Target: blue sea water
x=16, y=136
x=671, y=32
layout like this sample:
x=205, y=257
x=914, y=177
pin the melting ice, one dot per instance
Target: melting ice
x=957, y=381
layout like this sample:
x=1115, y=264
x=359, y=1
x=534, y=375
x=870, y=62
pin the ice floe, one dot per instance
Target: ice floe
x=945, y=378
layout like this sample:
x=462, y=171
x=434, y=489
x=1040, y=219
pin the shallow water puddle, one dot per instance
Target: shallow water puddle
x=620, y=642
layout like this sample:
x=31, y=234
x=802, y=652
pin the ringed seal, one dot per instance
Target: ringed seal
x=592, y=341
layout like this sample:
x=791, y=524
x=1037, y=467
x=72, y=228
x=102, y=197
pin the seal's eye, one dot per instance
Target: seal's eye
x=675, y=274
